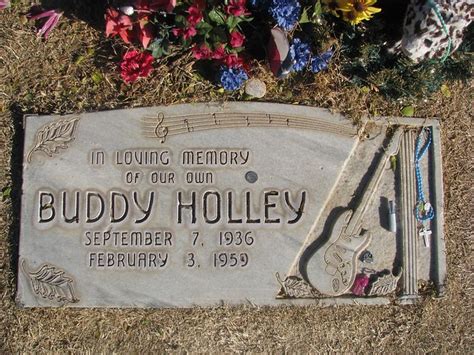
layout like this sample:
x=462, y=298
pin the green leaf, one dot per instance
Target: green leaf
x=445, y=90
x=6, y=192
x=79, y=59
x=180, y=20
x=317, y=11
x=204, y=28
x=159, y=47
x=217, y=17
x=408, y=111
x=232, y=22
x=157, y=52
x=304, y=16
x=97, y=77
x=245, y=19
x=393, y=162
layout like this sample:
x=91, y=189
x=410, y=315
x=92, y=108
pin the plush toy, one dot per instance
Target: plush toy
x=434, y=28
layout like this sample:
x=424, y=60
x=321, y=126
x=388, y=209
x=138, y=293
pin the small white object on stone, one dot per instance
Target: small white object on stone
x=256, y=88
x=127, y=10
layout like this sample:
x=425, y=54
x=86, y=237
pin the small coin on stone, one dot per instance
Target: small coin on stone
x=256, y=88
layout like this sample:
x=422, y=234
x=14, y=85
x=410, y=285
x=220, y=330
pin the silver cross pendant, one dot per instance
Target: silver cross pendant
x=426, y=234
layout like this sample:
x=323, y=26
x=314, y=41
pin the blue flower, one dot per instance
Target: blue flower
x=300, y=53
x=232, y=78
x=321, y=61
x=285, y=12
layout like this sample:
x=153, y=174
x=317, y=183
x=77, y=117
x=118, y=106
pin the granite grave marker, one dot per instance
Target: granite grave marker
x=204, y=204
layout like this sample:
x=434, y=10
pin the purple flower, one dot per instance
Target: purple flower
x=300, y=53
x=50, y=18
x=320, y=62
x=232, y=78
x=4, y=4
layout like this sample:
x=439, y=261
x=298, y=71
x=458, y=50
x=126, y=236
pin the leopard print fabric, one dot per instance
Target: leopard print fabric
x=423, y=33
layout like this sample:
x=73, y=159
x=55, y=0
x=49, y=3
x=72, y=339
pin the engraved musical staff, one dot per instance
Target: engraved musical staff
x=162, y=127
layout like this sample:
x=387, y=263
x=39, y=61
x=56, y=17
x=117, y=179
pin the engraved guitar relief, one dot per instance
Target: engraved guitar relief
x=347, y=238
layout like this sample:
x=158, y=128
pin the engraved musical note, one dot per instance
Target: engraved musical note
x=160, y=130
x=216, y=122
x=269, y=118
x=189, y=128
x=247, y=120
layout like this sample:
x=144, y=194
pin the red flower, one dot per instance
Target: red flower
x=187, y=33
x=219, y=53
x=236, y=8
x=177, y=31
x=195, y=15
x=117, y=24
x=144, y=31
x=233, y=61
x=136, y=65
x=201, y=52
x=155, y=5
x=236, y=39
x=200, y=4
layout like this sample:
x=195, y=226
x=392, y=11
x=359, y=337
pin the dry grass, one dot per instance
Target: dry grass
x=74, y=71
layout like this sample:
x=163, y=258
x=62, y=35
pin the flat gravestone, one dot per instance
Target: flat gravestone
x=208, y=204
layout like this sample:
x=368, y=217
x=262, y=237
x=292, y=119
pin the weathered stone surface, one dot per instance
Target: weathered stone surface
x=198, y=205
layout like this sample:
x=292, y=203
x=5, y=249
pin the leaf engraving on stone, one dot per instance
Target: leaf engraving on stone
x=296, y=287
x=385, y=285
x=50, y=282
x=53, y=137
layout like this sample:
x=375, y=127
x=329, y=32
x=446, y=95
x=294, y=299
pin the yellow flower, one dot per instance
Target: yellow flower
x=355, y=11
x=333, y=6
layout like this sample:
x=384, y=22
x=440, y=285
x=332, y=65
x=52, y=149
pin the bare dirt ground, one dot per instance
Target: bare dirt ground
x=74, y=71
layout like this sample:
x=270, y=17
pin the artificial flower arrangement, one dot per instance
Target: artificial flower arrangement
x=215, y=32
x=230, y=37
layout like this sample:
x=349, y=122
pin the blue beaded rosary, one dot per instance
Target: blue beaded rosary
x=424, y=211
